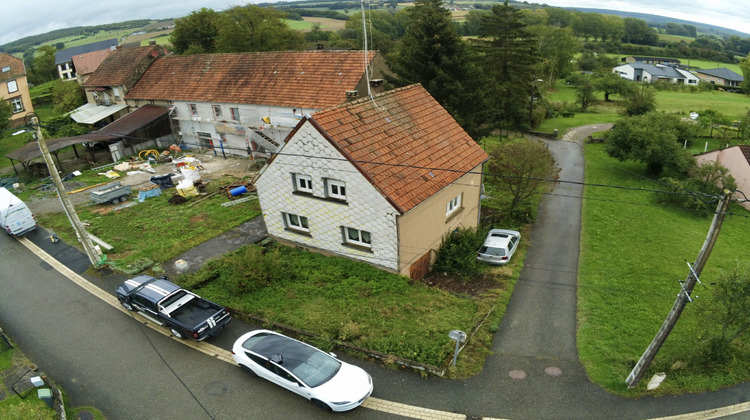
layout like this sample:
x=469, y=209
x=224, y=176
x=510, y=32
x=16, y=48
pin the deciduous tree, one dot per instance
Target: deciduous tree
x=67, y=96
x=255, y=28
x=196, y=33
x=6, y=112
x=611, y=84
x=654, y=139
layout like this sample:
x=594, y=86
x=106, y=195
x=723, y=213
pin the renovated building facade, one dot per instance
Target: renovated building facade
x=14, y=88
x=247, y=103
x=380, y=180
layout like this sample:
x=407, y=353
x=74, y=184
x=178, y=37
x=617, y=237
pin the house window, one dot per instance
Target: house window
x=116, y=91
x=223, y=137
x=295, y=222
x=6, y=69
x=17, y=105
x=193, y=109
x=357, y=237
x=335, y=189
x=205, y=140
x=12, y=86
x=235, y=114
x=217, y=111
x=453, y=205
x=303, y=183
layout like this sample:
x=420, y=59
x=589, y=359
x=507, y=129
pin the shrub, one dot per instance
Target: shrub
x=457, y=254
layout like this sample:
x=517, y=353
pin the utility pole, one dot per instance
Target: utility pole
x=684, y=296
x=83, y=236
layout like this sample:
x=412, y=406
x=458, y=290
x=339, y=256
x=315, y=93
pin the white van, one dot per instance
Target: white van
x=15, y=216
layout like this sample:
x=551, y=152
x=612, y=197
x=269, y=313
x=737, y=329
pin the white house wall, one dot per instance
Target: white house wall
x=365, y=209
x=239, y=134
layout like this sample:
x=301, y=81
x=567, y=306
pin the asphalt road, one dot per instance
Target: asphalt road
x=105, y=359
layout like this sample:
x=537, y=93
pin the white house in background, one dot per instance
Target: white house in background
x=64, y=58
x=247, y=103
x=652, y=73
x=380, y=180
x=737, y=160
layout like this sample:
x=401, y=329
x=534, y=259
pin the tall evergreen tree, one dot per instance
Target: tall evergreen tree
x=433, y=54
x=510, y=59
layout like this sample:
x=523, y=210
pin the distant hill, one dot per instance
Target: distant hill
x=656, y=19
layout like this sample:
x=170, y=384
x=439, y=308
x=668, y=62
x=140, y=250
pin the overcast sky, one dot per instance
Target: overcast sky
x=22, y=18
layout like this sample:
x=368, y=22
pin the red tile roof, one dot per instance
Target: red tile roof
x=121, y=65
x=404, y=141
x=16, y=67
x=303, y=79
x=88, y=62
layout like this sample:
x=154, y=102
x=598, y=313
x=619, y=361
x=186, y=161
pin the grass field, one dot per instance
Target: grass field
x=633, y=253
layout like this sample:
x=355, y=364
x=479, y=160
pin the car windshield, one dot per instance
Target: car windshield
x=310, y=365
x=488, y=250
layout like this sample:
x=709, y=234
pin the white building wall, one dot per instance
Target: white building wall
x=365, y=209
x=240, y=138
x=625, y=71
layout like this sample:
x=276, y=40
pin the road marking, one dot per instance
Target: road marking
x=371, y=403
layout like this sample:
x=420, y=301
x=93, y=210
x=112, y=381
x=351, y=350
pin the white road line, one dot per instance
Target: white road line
x=371, y=403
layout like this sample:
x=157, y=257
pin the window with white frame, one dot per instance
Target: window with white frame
x=335, y=189
x=453, y=205
x=12, y=86
x=357, y=237
x=17, y=105
x=6, y=69
x=303, y=183
x=235, y=114
x=193, y=109
x=223, y=137
x=116, y=91
x=217, y=111
x=205, y=140
x=296, y=222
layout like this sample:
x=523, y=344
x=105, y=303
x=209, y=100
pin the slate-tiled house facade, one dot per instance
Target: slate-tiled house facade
x=380, y=180
x=246, y=103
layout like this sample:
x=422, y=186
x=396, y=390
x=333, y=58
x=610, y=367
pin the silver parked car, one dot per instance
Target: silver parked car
x=499, y=246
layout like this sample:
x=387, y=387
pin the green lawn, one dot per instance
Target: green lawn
x=633, y=254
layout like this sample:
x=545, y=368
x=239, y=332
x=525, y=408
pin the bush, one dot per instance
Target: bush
x=457, y=254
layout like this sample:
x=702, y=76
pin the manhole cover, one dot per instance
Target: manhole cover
x=216, y=388
x=85, y=415
x=553, y=371
x=517, y=374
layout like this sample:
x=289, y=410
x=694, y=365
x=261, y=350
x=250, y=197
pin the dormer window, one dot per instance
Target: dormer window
x=6, y=69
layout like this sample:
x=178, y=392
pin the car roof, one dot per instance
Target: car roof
x=267, y=344
x=500, y=237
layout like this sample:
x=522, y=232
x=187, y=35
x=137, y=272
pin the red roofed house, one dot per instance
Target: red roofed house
x=737, y=160
x=87, y=63
x=107, y=86
x=14, y=88
x=247, y=103
x=380, y=180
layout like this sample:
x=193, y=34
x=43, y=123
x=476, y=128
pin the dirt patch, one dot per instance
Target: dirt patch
x=472, y=286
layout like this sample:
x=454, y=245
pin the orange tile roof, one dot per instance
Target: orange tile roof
x=119, y=66
x=17, y=68
x=88, y=62
x=404, y=141
x=303, y=79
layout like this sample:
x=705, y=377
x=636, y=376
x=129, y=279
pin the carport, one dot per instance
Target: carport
x=144, y=124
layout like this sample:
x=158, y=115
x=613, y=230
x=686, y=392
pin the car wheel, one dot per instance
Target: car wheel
x=115, y=200
x=177, y=333
x=123, y=199
x=322, y=405
x=127, y=305
x=248, y=370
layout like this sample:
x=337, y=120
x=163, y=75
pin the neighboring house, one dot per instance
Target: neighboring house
x=721, y=76
x=15, y=88
x=247, y=103
x=650, y=60
x=651, y=73
x=114, y=77
x=380, y=180
x=737, y=160
x=87, y=63
x=64, y=58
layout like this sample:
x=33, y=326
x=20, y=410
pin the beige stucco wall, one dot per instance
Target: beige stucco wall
x=734, y=160
x=23, y=92
x=423, y=227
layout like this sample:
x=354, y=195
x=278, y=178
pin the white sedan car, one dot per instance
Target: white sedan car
x=303, y=369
